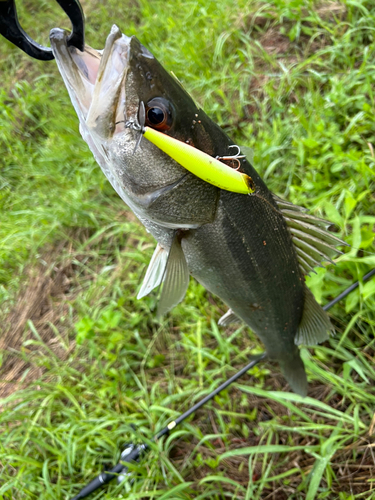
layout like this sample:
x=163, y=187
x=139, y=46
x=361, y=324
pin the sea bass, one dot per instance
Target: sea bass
x=251, y=250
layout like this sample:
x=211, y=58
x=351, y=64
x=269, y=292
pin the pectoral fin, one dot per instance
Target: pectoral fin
x=155, y=271
x=176, y=279
x=228, y=318
x=315, y=325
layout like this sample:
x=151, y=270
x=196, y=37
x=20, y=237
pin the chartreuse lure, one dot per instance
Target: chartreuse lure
x=204, y=166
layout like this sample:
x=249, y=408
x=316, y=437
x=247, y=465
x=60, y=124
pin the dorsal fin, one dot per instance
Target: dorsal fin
x=315, y=325
x=313, y=242
x=315, y=231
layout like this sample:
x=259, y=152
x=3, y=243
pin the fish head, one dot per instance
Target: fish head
x=107, y=88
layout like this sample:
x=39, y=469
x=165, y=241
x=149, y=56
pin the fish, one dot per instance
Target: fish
x=251, y=250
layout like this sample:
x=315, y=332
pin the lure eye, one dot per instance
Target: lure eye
x=159, y=114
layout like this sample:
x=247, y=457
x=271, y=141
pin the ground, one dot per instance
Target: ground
x=85, y=367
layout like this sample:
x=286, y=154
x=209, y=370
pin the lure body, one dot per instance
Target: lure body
x=201, y=164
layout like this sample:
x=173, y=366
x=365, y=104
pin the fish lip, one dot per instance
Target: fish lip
x=89, y=75
x=79, y=84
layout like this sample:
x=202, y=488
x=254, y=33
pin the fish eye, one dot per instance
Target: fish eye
x=159, y=114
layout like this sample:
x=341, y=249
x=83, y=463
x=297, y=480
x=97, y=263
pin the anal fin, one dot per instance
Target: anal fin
x=315, y=325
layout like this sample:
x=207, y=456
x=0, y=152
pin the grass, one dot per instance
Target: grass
x=86, y=367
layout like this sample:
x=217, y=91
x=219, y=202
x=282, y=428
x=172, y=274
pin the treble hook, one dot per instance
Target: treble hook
x=237, y=157
x=11, y=29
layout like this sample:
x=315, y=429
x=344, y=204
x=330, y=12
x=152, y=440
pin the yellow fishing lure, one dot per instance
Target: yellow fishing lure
x=204, y=166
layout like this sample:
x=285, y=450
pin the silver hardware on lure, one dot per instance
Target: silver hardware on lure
x=236, y=157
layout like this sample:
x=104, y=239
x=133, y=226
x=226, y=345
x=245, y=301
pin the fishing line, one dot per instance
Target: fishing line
x=141, y=124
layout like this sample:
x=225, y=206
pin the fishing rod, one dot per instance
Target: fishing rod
x=133, y=453
x=346, y=292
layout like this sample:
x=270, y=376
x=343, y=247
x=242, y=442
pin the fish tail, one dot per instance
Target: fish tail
x=294, y=371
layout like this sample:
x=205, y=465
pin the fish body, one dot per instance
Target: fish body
x=250, y=250
x=246, y=257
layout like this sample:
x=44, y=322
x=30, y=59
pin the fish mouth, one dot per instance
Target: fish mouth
x=94, y=79
x=105, y=88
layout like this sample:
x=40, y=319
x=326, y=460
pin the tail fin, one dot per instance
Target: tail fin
x=294, y=371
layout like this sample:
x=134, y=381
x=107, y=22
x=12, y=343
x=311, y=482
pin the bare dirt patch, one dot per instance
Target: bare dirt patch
x=44, y=302
x=43, y=314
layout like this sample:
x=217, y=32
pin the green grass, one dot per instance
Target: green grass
x=294, y=81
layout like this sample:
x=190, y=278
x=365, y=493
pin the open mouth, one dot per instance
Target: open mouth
x=94, y=79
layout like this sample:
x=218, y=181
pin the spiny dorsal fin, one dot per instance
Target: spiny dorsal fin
x=287, y=205
x=305, y=267
x=176, y=278
x=155, y=271
x=313, y=242
x=307, y=258
x=304, y=216
x=312, y=230
x=315, y=325
x=318, y=243
x=228, y=318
